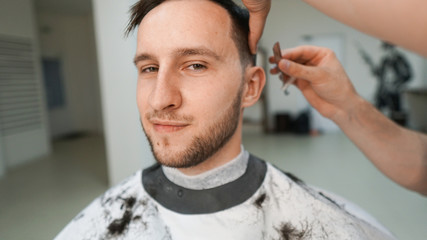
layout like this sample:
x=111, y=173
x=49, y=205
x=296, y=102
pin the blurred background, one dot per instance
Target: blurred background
x=69, y=125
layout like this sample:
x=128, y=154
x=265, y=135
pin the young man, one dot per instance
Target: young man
x=196, y=76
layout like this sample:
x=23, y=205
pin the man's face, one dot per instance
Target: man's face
x=189, y=81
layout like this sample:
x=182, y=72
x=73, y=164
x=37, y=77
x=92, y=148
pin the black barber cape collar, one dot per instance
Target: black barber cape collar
x=189, y=201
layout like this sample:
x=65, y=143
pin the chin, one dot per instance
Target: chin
x=177, y=158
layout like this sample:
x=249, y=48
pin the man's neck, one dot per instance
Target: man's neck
x=232, y=170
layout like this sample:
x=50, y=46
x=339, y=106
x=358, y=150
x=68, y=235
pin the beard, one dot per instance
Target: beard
x=205, y=144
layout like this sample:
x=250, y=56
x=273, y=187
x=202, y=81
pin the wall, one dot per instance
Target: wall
x=2, y=160
x=127, y=148
x=70, y=38
x=17, y=20
x=290, y=20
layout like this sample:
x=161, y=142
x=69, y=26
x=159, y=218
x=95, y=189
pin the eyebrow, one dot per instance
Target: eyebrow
x=142, y=57
x=181, y=52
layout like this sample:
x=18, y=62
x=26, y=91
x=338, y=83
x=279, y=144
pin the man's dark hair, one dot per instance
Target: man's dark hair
x=238, y=15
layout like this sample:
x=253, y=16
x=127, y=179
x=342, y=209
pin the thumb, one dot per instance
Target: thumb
x=256, y=29
x=258, y=11
x=309, y=73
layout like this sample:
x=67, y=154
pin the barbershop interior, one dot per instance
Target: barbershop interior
x=70, y=127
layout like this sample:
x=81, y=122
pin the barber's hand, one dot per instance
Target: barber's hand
x=258, y=11
x=321, y=78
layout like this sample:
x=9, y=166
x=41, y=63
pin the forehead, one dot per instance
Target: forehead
x=185, y=24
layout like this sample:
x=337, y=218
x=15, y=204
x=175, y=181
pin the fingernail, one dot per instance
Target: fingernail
x=284, y=63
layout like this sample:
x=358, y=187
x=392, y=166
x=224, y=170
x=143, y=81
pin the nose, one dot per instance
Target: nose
x=166, y=94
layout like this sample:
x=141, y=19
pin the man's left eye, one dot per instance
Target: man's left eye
x=197, y=67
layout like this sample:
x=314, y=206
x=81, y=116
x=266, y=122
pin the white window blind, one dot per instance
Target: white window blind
x=20, y=103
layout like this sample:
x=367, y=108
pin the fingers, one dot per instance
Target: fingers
x=305, y=62
x=258, y=11
x=256, y=28
x=297, y=70
x=309, y=73
x=320, y=77
x=293, y=69
x=306, y=54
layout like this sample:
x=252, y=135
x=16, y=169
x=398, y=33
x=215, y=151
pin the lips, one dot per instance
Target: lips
x=168, y=126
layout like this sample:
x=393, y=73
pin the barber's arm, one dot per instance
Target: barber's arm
x=399, y=153
x=402, y=23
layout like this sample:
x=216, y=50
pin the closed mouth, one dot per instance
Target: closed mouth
x=168, y=126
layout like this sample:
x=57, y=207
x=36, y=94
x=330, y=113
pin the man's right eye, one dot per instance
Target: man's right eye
x=149, y=69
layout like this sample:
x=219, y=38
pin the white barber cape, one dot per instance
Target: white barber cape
x=263, y=203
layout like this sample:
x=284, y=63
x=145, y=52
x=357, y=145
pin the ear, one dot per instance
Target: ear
x=255, y=81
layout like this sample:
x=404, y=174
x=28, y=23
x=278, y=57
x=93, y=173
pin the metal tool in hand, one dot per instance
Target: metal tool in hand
x=277, y=58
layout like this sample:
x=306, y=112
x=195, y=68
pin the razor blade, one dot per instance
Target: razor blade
x=277, y=58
